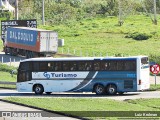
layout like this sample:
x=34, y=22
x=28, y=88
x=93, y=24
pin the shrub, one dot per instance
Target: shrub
x=7, y=15
x=154, y=58
x=5, y=68
x=119, y=55
x=139, y=36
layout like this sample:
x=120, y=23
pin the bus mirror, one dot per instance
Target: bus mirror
x=13, y=72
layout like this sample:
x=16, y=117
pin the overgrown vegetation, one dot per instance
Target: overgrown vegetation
x=8, y=73
x=138, y=36
x=6, y=68
x=6, y=15
x=154, y=87
x=102, y=37
x=64, y=11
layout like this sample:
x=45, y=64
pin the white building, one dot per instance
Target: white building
x=5, y=5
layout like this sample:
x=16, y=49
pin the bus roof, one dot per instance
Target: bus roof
x=81, y=58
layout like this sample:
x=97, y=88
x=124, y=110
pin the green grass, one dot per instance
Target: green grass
x=87, y=104
x=7, y=86
x=104, y=36
x=154, y=87
x=6, y=76
x=152, y=103
x=68, y=105
x=5, y=73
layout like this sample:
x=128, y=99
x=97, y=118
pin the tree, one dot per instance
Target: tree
x=150, y=7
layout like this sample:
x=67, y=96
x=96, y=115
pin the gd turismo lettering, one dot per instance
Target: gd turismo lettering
x=59, y=75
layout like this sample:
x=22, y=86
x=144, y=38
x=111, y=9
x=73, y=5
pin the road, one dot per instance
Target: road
x=126, y=96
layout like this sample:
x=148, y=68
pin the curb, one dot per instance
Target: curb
x=50, y=111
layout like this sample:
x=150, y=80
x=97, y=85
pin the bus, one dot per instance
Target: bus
x=101, y=75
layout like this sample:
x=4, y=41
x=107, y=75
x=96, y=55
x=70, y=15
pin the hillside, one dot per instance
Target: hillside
x=104, y=36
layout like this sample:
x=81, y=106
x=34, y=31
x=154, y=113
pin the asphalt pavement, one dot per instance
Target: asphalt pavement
x=10, y=111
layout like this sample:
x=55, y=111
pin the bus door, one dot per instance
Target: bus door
x=144, y=73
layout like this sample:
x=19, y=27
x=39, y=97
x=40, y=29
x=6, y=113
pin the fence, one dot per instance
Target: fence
x=7, y=85
x=87, y=53
x=10, y=60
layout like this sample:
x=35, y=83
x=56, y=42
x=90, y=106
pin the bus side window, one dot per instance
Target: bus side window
x=73, y=66
x=130, y=66
x=81, y=66
x=58, y=66
x=51, y=66
x=88, y=65
x=35, y=66
x=96, y=66
x=120, y=65
x=104, y=65
x=43, y=66
x=112, y=65
x=66, y=66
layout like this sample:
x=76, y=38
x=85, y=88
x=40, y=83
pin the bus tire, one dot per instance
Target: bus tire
x=111, y=89
x=99, y=89
x=38, y=89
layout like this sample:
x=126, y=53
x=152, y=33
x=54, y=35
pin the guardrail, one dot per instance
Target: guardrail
x=7, y=83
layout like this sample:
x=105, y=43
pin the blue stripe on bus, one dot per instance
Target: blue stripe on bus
x=110, y=78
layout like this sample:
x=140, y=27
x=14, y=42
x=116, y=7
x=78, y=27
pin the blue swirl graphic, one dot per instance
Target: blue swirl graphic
x=46, y=75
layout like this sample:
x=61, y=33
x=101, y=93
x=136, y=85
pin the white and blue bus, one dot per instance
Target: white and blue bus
x=110, y=75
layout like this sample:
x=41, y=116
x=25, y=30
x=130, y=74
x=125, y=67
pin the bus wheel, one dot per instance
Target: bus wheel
x=48, y=93
x=111, y=89
x=38, y=89
x=99, y=89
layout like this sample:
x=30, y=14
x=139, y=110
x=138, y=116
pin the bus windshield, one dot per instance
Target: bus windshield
x=144, y=62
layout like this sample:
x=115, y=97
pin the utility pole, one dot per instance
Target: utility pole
x=16, y=9
x=155, y=13
x=43, y=16
x=120, y=21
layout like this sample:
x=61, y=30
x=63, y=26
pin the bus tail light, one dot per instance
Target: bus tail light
x=140, y=82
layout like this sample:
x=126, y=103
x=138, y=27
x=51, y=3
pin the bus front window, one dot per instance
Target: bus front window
x=24, y=73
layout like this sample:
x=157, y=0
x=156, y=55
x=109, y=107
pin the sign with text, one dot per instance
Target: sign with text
x=16, y=23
